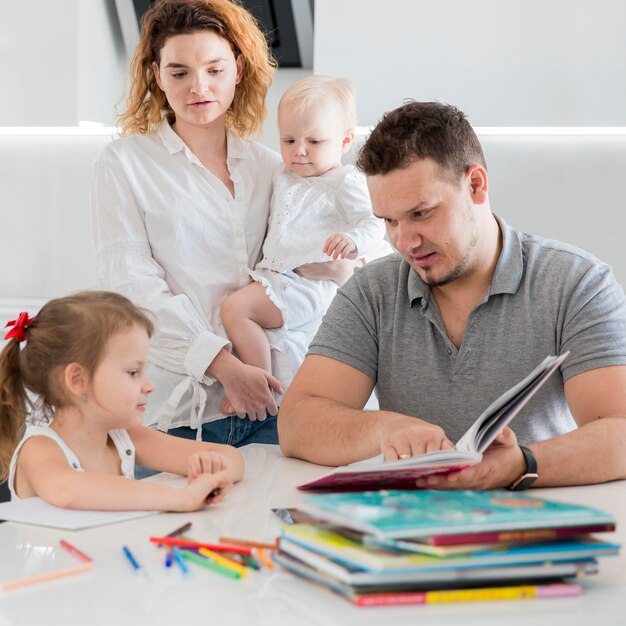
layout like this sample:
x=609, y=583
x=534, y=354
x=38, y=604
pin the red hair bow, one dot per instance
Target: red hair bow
x=19, y=327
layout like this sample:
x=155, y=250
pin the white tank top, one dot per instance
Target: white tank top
x=121, y=439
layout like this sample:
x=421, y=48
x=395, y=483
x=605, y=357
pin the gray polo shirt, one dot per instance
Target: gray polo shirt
x=545, y=298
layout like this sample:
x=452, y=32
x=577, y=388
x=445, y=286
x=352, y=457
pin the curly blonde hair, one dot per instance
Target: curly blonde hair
x=147, y=104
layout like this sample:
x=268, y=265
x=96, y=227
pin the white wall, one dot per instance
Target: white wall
x=531, y=63
x=59, y=70
x=61, y=62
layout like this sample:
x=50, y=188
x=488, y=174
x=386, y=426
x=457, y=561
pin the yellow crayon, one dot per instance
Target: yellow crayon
x=220, y=560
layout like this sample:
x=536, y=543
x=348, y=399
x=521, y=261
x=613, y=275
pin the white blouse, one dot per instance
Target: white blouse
x=169, y=236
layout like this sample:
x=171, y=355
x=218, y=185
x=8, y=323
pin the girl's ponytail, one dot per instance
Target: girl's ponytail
x=14, y=404
x=73, y=329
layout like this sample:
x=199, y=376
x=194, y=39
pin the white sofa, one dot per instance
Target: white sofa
x=567, y=187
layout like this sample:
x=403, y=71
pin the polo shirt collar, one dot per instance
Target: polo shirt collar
x=510, y=266
x=237, y=148
x=506, y=277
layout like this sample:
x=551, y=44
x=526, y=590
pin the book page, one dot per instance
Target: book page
x=37, y=511
x=500, y=412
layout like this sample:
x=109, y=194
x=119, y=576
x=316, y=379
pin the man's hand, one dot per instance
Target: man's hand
x=502, y=463
x=406, y=436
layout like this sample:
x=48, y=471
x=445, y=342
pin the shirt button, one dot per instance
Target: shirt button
x=129, y=452
x=449, y=351
x=75, y=465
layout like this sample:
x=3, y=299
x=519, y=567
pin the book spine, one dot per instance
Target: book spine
x=540, y=534
x=521, y=592
x=389, y=599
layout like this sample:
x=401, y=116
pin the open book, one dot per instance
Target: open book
x=377, y=474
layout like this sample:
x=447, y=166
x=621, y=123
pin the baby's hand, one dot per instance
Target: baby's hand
x=204, y=463
x=339, y=246
x=198, y=493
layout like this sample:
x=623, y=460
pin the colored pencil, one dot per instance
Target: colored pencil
x=180, y=561
x=204, y=562
x=130, y=558
x=179, y=531
x=40, y=578
x=75, y=551
x=220, y=560
x=264, y=558
x=248, y=542
x=250, y=561
x=188, y=543
x=168, y=556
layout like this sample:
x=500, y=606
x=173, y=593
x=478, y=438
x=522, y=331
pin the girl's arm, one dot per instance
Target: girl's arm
x=43, y=471
x=167, y=453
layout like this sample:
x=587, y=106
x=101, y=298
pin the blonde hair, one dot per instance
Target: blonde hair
x=73, y=329
x=147, y=104
x=314, y=91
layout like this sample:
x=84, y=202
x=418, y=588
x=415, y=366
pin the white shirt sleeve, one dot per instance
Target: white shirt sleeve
x=184, y=342
x=353, y=200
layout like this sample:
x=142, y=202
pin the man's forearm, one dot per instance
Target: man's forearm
x=329, y=433
x=593, y=453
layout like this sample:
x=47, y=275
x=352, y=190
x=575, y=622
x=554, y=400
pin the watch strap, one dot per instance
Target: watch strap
x=530, y=475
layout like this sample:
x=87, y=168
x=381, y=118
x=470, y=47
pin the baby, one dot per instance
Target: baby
x=320, y=211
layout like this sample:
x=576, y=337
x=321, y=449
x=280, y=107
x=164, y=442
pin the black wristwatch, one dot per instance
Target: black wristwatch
x=527, y=478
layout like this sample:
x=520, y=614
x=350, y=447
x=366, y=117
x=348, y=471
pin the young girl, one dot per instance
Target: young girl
x=320, y=210
x=84, y=360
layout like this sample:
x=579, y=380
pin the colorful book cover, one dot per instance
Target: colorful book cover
x=415, y=514
x=349, y=552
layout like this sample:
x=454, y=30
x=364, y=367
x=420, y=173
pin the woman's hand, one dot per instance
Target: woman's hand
x=338, y=271
x=249, y=389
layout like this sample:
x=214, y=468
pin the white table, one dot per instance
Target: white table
x=114, y=595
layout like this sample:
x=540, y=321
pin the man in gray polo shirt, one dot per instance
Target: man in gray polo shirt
x=467, y=308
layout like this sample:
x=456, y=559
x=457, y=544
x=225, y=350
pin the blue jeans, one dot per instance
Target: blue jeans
x=231, y=430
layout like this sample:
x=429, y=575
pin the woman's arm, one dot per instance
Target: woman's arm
x=185, y=342
x=43, y=467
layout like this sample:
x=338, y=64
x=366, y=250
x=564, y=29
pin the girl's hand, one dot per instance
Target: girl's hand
x=339, y=246
x=197, y=494
x=204, y=463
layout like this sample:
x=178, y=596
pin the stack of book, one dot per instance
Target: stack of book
x=417, y=547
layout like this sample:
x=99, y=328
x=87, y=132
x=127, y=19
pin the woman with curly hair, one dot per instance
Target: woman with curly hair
x=180, y=206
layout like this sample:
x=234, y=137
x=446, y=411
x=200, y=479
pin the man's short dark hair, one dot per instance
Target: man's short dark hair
x=422, y=130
